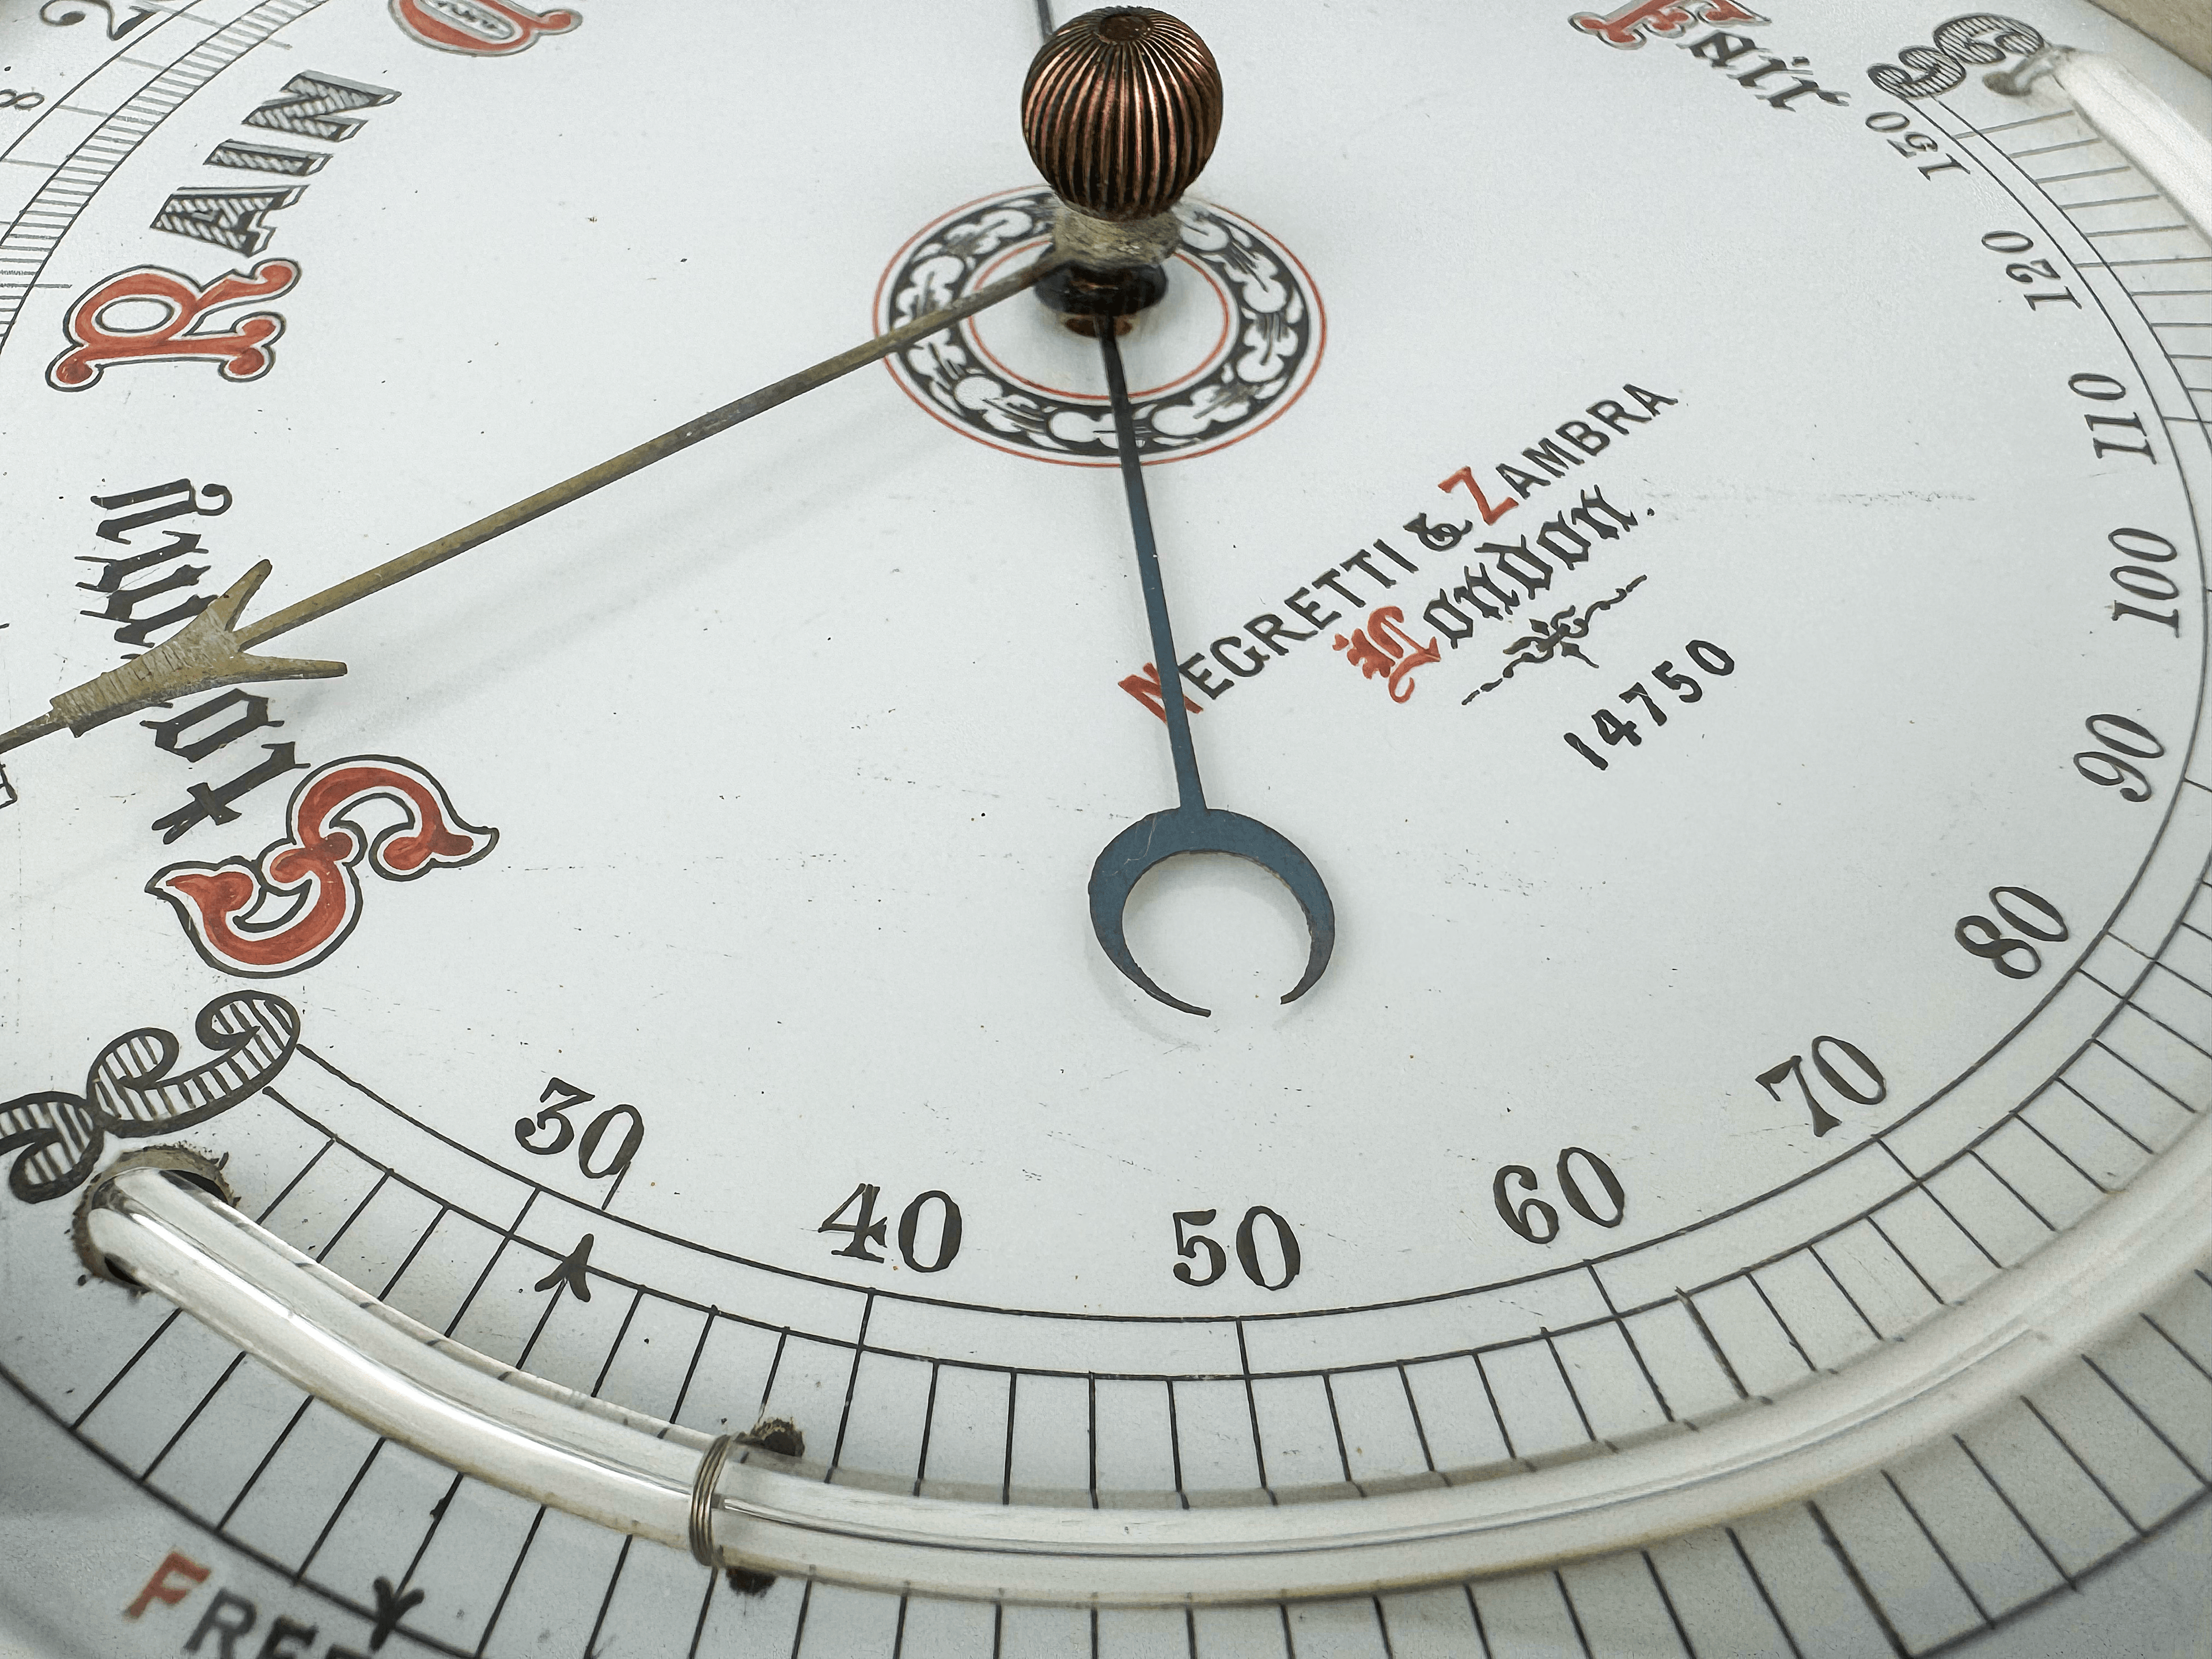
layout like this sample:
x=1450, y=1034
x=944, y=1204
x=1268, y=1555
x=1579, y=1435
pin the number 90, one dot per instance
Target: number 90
x=2124, y=737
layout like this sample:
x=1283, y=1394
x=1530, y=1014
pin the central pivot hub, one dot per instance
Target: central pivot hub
x=1121, y=110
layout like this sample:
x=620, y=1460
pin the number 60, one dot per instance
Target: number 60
x=1527, y=1216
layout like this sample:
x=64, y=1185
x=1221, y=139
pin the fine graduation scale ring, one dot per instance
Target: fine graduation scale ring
x=1900, y=1344
x=655, y=1480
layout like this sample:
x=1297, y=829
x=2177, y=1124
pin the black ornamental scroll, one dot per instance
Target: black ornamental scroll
x=130, y=1093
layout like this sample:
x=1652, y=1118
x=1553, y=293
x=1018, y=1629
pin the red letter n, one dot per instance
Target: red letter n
x=1146, y=688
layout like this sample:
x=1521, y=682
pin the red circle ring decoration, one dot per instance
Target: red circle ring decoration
x=1245, y=344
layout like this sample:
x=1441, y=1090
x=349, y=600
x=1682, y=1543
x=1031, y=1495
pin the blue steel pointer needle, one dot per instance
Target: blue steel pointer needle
x=1190, y=826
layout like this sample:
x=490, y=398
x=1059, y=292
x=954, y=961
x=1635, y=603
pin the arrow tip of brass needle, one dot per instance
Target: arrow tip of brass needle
x=207, y=652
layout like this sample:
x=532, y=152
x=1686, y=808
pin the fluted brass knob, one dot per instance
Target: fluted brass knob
x=1121, y=110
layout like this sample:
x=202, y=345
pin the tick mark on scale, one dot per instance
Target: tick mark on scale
x=391, y=1606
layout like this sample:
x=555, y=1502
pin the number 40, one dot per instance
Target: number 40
x=865, y=1230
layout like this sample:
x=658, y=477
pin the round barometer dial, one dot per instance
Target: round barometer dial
x=1685, y=519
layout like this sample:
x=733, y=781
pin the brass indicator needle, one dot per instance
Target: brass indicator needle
x=213, y=650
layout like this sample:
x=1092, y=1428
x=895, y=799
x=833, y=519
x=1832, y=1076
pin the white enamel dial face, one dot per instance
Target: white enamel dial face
x=1700, y=544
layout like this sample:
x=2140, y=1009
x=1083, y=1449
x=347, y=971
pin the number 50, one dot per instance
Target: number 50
x=1189, y=1246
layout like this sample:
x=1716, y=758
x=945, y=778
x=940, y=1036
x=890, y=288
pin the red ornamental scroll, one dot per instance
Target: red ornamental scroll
x=241, y=352
x=1628, y=26
x=315, y=867
x=483, y=29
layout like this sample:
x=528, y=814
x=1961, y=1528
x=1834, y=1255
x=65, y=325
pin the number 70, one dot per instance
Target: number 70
x=1872, y=1092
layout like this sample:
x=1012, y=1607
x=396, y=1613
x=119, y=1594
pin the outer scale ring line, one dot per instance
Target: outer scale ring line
x=634, y=1473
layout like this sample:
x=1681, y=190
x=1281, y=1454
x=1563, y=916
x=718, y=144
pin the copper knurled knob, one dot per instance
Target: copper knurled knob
x=1120, y=110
